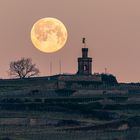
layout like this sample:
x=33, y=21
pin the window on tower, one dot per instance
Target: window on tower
x=85, y=67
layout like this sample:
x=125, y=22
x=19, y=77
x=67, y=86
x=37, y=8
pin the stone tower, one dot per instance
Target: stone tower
x=84, y=62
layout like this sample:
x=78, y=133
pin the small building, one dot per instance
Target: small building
x=84, y=63
x=84, y=75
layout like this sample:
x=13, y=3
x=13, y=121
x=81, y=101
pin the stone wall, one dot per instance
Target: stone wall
x=27, y=121
x=99, y=92
x=80, y=78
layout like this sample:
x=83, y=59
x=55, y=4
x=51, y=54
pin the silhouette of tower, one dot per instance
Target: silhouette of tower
x=84, y=62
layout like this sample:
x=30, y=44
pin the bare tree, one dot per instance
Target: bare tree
x=23, y=68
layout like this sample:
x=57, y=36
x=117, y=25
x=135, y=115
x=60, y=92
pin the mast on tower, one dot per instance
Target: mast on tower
x=84, y=62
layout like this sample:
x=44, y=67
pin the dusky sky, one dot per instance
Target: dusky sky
x=112, y=29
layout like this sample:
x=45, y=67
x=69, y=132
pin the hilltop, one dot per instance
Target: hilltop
x=32, y=105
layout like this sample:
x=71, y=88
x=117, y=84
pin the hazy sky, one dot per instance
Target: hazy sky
x=112, y=29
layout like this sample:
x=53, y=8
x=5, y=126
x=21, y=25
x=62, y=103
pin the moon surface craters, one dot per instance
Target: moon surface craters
x=46, y=30
x=49, y=35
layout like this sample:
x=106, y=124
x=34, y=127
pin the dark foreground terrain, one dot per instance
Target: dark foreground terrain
x=29, y=111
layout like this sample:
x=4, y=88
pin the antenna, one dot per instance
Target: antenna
x=60, y=66
x=105, y=70
x=50, y=68
x=84, y=41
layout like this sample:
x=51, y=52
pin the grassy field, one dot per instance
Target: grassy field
x=25, y=133
x=66, y=116
x=100, y=117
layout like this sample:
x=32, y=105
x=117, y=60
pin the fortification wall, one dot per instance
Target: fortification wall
x=99, y=92
x=27, y=121
x=80, y=78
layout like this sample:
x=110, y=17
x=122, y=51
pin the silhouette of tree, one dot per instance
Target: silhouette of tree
x=23, y=68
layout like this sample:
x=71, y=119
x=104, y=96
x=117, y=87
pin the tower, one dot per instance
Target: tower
x=84, y=62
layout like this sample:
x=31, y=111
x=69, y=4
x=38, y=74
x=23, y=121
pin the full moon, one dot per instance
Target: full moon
x=49, y=35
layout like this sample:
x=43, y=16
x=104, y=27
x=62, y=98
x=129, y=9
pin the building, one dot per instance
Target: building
x=84, y=63
x=84, y=75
